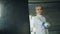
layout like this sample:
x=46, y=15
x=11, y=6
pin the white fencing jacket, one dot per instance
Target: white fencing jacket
x=37, y=24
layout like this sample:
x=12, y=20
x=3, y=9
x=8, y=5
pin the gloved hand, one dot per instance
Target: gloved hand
x=45, y=25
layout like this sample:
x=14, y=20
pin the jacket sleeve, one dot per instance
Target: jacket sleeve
x=33, y=25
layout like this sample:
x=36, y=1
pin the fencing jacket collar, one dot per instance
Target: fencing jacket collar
x=39, y=15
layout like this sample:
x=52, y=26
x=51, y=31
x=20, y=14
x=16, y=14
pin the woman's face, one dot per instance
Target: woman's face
x=39, y=10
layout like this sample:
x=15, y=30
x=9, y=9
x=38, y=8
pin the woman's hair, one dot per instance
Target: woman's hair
x=39, y=5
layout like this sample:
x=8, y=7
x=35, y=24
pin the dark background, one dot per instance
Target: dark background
x=14, y=17
x=51, y=12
